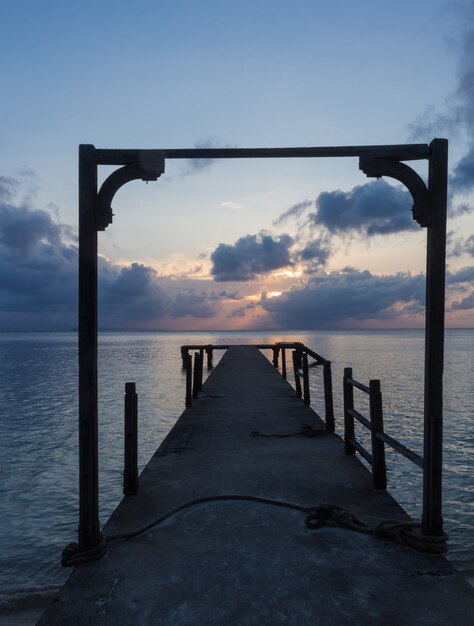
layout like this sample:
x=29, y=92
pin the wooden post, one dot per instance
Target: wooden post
x=184, y=352
x=349, y=431
x=328, y=397
x=283, y=363
x=196, y=375
x=189, y=374
x=275, y=356
x=306, y=396
x=379, y=470
x=432, y=520
x=89, y=528
x=209, y=357
x=299, y=358
x=297, y=375
x=201, y=368
x=130, y=472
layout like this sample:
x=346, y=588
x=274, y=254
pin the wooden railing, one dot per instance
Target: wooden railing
x=376, y=458
x=299, y=352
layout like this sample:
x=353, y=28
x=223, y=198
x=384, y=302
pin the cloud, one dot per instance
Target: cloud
x=22, y=231
x=372, y=209
x=457, y=246
x=8, y=188
x=464, y=304
x=316, y=252
x=459, y=116
x=193, y=166
x=38, y=271
x=342, y=298
x=39, y=279
x=250, y=257
x=462, y=177
x=464, y=275
x=294, y=211
x=135, y=296
x=192, y=302
x=130, y=293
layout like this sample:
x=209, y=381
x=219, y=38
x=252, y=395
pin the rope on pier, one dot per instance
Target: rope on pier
x=407, y=533
x=402, y=532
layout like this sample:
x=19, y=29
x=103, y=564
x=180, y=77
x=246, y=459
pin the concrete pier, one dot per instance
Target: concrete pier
x=247, y=562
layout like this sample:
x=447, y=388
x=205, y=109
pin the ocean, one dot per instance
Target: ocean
x=38, y=424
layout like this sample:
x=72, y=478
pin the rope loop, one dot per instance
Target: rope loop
x=71, y=555
x=405, y=533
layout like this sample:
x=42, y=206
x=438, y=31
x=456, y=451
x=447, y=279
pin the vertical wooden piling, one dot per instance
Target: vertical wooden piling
x=349, y=431
x=184, y=352
x=283, y=363
x=209, y=357
x=196, y=375
x=297, y=374
x=328, y=397
x=379, y=470
x=189, y=382
x=89, y=527
x=432, y=520
x=201, y=368
x=275, y=356
x=306, y=395
x=130, y=471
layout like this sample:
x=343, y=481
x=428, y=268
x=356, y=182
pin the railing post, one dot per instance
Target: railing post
x=297, y=376
x=130, y=472
x=306, y=396
x=189, y=374
x=349, y=432
x=275, y=356
x=328, y=398
x=196, y=375
x=299, y=358
x=184, y=352
x=209, y=357
x=283, y=363
x=201, y=367
x=379, y=470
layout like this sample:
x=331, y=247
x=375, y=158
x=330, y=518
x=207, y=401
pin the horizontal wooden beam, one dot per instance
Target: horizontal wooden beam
x=361, y=450
x=403, y=152
x=360, y=418
x=360, y=386
x=399, y=447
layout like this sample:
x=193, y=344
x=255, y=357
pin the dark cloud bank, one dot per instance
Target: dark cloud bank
x=250, y=257
x=38, y=278
x=331, y=300
x=38, y=282
x=376, y=208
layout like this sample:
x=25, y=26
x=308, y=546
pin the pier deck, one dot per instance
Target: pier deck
x=245, y=562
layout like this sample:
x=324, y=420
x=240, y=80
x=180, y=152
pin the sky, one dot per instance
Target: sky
x=233, y=244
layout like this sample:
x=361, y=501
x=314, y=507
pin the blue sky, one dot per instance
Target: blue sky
x=207, y=247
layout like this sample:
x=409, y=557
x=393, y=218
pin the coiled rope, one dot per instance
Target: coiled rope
x=406, y=533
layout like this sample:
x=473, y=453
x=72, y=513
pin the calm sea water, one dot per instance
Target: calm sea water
x=38, y=425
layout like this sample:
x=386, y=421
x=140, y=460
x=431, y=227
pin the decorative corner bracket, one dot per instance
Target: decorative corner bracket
x=148, y=166
x=377, y=166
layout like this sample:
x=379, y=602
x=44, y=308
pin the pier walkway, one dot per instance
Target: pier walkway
x=248, y=562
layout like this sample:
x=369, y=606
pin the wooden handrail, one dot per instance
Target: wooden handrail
x=360, y=386
x=399, y=447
